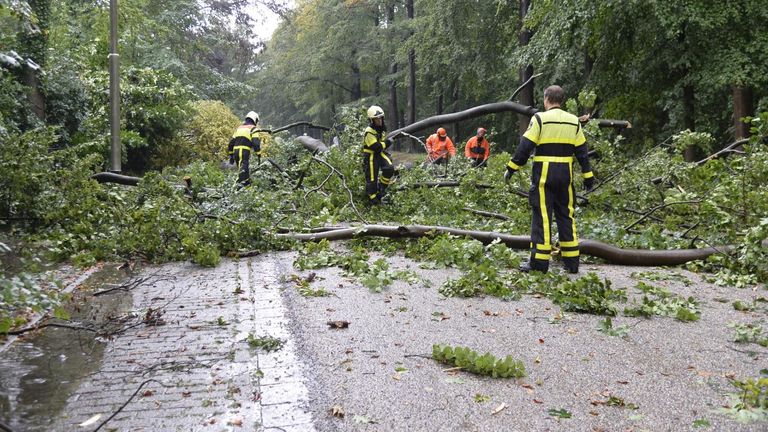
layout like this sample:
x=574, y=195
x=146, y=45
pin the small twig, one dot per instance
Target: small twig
x=660, y=206
x=306, y=169
x=320, y=186
x=5, y=428
x=122, y=407
x=41, y=326
x=344, y=185
x=488, y=214
x=124, y=287
x=426, y=356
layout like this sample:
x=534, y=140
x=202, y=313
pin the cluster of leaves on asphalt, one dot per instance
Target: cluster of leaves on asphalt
x=266, y=343
x=750, y=402
x=659, y=301
x=469, y=360
x=375, y=276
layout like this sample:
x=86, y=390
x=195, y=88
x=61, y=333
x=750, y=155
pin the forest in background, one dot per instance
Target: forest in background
x=664, y=66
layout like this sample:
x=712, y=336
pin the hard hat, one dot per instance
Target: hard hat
x=253, y=115
x=375, y=111
x=441, y=132
x=481, y=130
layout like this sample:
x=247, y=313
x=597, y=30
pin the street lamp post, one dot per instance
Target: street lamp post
x=114, y=89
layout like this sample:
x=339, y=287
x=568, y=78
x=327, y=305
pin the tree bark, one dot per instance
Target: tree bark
x=742, y=107
x=610, y=253
x=526, y=94
x=411, y=112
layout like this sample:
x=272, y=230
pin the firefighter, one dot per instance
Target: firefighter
x=375, y=157
x=440, y=148
x=555, y=137
x=244, y=142
x=478, y=149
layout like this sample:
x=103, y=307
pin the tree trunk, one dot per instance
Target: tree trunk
x=608, y=252
x=742, y=107
x=392, y=84
x=526, y=94
x=411, y=71
x=357, y=91
x=439, y=103
x=34, y=46
x=689, y=121
x=455, y=105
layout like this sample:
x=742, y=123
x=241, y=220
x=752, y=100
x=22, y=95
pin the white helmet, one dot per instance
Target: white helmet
x=375, y=111
x=253, y=115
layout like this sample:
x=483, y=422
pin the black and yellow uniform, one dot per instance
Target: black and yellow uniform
x=557, y=138
x=375, y=158
x=244, y=142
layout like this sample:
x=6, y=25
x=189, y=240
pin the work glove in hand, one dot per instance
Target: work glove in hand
x=589, y=184
x=388, y=143
x=508, y=175
x=232, y=160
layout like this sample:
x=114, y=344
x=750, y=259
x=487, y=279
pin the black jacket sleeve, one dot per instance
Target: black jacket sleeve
x=523, y=152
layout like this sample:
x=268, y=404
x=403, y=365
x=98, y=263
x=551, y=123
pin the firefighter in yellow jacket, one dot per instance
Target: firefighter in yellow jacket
x=375, y=157
x=244, y=142
x=556, y=138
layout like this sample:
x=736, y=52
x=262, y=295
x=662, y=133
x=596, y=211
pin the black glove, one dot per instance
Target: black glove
x=388, y=143
x=508, y=174
x=589, y=184
x=232, y=159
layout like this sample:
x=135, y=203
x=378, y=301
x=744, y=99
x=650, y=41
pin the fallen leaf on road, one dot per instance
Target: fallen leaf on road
x=337, y=411
x=340, y=324
x=499, y=408
x=90, y=421
x=364, y=420
x=147, y=393
x=537, y=401
x=237, y=421
x=186, y=394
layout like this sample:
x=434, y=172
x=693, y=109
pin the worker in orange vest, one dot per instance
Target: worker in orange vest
x=440, y=147
x=478, y=149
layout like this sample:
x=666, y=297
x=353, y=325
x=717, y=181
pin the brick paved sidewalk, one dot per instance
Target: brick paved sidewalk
x=205, y=375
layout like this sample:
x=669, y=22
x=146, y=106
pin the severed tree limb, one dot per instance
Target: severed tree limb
x=519, y=89
x=658, y=207
x=482, y=110
x=488, y=214
x=312, y=144
x=608, y=252
x=110, y=177
x=292, y=125
x=730, y=148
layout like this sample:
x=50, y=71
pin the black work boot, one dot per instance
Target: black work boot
x=534, y=265
x=571, y=265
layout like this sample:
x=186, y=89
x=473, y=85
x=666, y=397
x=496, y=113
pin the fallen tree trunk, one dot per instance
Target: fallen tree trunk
x=610, y=253
x=109, y=177
x=312, y=144
x=486, y=109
